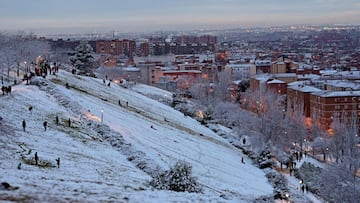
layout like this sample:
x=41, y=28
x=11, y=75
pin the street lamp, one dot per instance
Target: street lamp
x=102, y=115
x=287, y=195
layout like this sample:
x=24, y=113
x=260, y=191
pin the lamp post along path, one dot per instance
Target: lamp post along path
x=102, y=115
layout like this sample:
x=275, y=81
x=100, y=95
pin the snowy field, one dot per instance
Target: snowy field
x=98, y=148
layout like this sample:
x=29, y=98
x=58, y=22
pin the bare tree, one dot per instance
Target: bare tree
x=17, y=49
x=345, y=140
x=221, y=87
x=296, y=130
x=228, y=113
x=344, y=182
x=8, y=55
x=202, y=92
x=341, y=175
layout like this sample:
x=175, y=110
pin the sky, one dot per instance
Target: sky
x=93, y=16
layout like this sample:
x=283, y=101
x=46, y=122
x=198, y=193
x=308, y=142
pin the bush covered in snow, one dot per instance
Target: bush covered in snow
x=264, y=160
x=309, y=173
x=280, y=184
x=178, y=178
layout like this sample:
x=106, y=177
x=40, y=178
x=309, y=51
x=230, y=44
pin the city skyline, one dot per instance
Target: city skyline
x=90, y=16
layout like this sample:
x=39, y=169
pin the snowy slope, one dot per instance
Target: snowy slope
x=95, y=162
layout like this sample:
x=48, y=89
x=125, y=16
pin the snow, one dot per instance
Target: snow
x=275, y=81
x=93, y=168
x=343, y=84
x=337, y=93
x=294, y=183
x=304, y=88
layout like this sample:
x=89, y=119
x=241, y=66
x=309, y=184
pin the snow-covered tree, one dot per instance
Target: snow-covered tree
x=30, y=48
x=295, y=128
x=19, y=49
x=83, y=59
x=345, y=139
x=203, y=92
x=227, y=114
x=339, y=179
x=8, y=55
x=221, y=88
x=344, y=147
x=320, y=144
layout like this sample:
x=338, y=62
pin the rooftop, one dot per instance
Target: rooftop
x=337, y=94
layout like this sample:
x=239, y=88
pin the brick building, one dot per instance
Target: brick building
x=144, y=49
x=277, y=86
x=329, y=105
x=259, y=81
x=263, y=66
x=298, y=97
x=284, y=65
x=116, y=47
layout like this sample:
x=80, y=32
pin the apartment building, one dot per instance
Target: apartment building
x=329, y=105
x=241, y=71
x=284, y=65
x=116, y=47
x=298, y=97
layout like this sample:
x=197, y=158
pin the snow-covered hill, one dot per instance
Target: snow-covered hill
x=109, y=150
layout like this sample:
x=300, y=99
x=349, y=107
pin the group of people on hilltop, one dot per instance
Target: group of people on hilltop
x=44, y=68
x=6, y=89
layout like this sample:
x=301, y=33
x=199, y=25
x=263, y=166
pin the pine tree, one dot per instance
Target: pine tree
x=83, y=59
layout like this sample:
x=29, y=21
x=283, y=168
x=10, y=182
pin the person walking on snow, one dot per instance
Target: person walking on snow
x=24, y=125
x=36, y=158
x=45, y=125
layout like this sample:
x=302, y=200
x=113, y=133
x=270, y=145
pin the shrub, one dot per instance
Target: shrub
x=178, y=178
x=264, y=160
x=280, y=184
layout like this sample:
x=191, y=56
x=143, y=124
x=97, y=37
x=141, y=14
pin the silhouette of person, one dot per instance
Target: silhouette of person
x=58, y=162
x=24, y=125
x=36, y=158
x=45, y=125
